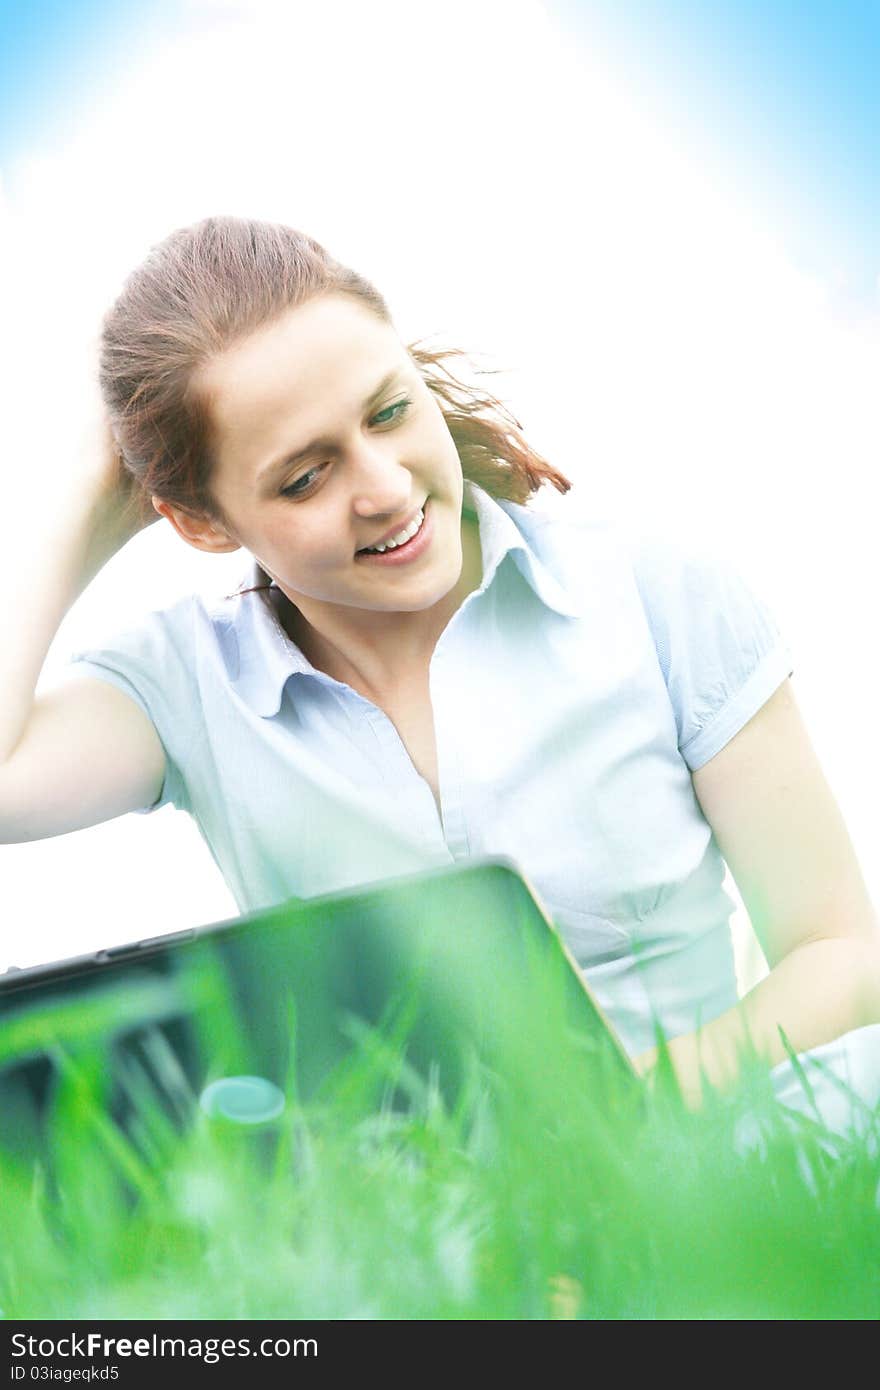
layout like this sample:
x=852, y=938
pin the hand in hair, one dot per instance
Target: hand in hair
x=127, y=507
x=105, y=495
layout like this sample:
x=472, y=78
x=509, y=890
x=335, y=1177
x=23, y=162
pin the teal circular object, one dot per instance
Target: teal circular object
x=243, y=1100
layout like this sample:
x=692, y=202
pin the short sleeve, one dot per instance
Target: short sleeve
x=719, y=648
x=144, y=663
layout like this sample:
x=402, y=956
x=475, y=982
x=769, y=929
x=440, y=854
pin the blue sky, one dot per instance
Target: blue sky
x=56, y=54
x=782, y=95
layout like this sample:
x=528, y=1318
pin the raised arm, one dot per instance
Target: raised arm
x=82, y=752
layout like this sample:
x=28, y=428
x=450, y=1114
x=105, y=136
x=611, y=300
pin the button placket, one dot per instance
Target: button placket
x=448, y=762
x=393, y=747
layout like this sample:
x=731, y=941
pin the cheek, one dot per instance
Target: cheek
x=438, y=450
x=451, y=451
x=436, y=431
x=312, y=547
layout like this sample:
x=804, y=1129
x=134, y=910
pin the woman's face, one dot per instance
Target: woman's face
x=326, y=441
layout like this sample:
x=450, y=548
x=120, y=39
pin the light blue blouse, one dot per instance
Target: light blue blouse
x=573, y=693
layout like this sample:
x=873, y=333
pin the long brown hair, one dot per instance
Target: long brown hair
x=209, y=285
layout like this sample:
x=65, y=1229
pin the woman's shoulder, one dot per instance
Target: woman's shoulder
x=191, y=630
x=666, y=562
x=557, y=528
x=604, y=561
x=684, y=582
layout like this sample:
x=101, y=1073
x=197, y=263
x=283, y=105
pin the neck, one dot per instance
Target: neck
x=380, y=652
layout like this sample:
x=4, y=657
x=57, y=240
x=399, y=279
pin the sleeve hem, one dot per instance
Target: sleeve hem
x=173, y=791
x=767, y=676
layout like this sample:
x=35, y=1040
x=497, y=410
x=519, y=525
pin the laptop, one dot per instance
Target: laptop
x=441, y=982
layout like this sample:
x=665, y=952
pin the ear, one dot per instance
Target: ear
x=198, y=530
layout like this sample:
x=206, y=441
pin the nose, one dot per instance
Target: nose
x=382, y=485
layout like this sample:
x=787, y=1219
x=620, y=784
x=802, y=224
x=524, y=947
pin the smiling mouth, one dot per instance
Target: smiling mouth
x=387, y=549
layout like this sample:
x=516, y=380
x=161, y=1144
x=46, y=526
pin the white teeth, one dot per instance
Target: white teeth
x=402, y=536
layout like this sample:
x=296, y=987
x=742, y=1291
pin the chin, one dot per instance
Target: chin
x=431, y=597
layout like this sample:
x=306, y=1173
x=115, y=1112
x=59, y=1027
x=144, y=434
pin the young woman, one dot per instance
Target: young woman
x=421, y=668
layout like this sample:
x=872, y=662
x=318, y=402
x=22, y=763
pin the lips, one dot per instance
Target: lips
x=394, y=530
x=409, y=553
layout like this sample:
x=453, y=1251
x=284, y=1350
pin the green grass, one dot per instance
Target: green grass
x=526, y=1196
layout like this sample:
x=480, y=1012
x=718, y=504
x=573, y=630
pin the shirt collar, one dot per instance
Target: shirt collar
x=267, y=657
x=508, y=528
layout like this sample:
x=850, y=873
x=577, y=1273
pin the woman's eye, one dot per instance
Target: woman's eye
x=303, y=482
x=389, y=416
x=400, y=406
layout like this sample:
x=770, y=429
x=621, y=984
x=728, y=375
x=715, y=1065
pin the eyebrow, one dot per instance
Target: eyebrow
x=285, y=461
